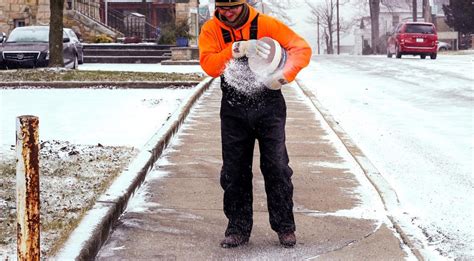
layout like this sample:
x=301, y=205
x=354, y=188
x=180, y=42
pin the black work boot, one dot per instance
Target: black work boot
x=234, y=240
x=287, y=239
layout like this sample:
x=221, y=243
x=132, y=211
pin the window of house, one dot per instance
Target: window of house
x=19, y=22
x=395, y=20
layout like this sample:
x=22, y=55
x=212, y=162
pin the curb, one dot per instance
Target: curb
x=92, y=84
x=86, y=240
x=387, y=194
x=185, y=62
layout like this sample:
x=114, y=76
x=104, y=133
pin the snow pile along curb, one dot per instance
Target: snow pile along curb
x=85, y=241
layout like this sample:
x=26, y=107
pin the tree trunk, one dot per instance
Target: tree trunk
x=56, y=34
x=427, y=11
x=415, y=11
x=330, y=46
x=374, y=19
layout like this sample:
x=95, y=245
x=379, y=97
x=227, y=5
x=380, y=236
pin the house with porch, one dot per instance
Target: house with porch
x=138, y=18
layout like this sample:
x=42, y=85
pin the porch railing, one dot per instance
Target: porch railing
x=130, y=25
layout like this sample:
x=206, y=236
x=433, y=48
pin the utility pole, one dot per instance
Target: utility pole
x=106, y=13
x=415, y=12
x=337, y=18
x=319, y=50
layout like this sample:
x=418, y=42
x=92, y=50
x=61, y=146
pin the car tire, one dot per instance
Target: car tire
x=442, y=49
x=398, y=54
x=389, y=54
x=423, y=56
x=433, y=56
x=75, y=63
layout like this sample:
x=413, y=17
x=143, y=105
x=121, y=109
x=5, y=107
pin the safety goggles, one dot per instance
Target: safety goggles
x=228, y=8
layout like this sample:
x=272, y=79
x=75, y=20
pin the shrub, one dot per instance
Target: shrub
x=170, y=31
x=102, y=38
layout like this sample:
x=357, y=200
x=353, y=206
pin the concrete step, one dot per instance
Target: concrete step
x=140, y=46
x=125, y=59
x=126, y=52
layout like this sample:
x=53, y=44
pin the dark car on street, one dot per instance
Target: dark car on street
x=28, y=47
x=413, y=38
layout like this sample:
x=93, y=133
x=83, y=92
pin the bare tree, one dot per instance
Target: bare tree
x=56, y=33
x=326, y=12
x=279, y=9
x=327, y=19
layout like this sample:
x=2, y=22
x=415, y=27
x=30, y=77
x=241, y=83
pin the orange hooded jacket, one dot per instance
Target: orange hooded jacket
x=215, y=53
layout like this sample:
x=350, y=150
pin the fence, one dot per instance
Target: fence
x=130, y=24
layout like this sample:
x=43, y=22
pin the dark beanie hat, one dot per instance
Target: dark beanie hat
x=229, y=2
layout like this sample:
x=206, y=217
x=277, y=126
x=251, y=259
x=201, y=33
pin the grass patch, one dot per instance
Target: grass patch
x=46, y=75
x=70, y=184
x=66, y=226
x=7, y=201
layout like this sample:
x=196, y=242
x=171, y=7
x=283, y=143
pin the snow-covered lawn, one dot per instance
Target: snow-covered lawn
x=136, y=67
x=90, y=116
x=88, y=136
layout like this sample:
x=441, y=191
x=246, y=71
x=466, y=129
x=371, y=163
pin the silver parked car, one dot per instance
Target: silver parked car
x=77, y=43
x=444, y=46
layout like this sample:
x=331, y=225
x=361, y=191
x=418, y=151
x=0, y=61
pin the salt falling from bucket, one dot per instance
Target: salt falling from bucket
x=239, y=76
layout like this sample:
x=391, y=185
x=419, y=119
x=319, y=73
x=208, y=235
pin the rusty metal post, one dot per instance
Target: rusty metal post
x=27, y=188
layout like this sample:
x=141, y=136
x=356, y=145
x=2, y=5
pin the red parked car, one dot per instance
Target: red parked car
x=414, y=38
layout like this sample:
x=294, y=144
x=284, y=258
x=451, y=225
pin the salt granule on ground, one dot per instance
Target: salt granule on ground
x=239, y=76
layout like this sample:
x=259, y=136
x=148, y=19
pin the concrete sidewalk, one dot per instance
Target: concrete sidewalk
x=177, y=213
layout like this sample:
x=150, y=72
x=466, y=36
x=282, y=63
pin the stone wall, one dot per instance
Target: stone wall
x=36, y=12
x=188, y=11
x=184, y=53
x=29, y=12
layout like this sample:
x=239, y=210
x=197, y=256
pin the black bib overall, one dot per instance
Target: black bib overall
x=244, y=120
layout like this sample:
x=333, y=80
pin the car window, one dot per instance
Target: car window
x=29, y=35
x=420, y=28
x=72, y=36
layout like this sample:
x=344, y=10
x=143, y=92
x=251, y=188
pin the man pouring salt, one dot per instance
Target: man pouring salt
x=239, y=33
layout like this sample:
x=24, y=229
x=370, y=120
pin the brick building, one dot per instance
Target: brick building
x=14, y=13
x=152, y=13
